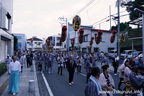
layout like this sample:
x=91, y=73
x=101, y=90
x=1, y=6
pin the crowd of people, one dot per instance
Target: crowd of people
x=131, y=72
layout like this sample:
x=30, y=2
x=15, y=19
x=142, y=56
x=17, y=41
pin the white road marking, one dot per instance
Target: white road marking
x=83, y=74
x=47, y=85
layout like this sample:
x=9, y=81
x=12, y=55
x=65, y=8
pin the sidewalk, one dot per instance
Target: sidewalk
x=4, y=80
x=25, y=76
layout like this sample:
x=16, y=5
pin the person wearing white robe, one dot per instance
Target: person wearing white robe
x=14, y=69
x=106, y=81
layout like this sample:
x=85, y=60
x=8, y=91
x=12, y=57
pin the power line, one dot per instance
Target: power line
x=83, y=8
x=108, y=17
x=97, y=23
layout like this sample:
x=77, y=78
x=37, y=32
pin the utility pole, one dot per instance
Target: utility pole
x=142, y=29
x=110, y=16
x=65, y=19
x=118, y=2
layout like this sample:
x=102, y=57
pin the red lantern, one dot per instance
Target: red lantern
x=113, y=36
x=99, y=37
x=91, y=42
x=72, y=42
x=81, y=31
x=64, y=34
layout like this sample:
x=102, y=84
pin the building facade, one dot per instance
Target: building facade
x=56, y=39
x=55, y=44
x=34, y=43
x=21, y=41
x=105, y=45
x=6, y=21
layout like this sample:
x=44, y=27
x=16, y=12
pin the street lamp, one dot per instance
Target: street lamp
x=136, y=9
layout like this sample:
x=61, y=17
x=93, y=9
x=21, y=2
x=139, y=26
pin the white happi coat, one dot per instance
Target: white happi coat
x=103, y=83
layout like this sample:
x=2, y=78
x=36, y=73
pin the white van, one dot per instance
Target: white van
x=112, y=53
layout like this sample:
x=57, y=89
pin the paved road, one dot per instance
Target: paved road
x=59, y=83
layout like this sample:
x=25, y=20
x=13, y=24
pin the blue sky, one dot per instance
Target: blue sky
x=40, y=17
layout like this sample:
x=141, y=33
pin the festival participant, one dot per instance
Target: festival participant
x=135, y=82
x=71, y=65
x=79, y=63
x=60, y=64
x=127, y=71
x=106, y=81
x=93, y=88
x=14, y=69
x=21, y=59
x=121, y=73
x=40, y=62
x=47, y=63
x=8, y=60
x=28, y=60
x=115, y=64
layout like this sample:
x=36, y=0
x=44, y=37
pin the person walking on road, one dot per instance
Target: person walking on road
x=115, y=64
x=28, y=60
x=60, y=64
x=79, y=63
x=93, y=88
x=71, y=65
x=14, y=69
x=8, y=60
x=40, y=62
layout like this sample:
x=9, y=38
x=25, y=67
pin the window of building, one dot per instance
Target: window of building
x=84, y=50
x=18, y=37
x=96, y=49
x=57, y=44
x=19, y=45
x=58, y=38
x=95, y=35
x=109, y=49
x=39, y=43
x=7, y=22
x=85, y=38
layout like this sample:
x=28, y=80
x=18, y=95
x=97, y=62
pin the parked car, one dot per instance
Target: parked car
x=112, y=53
x=140, y=55
x=126, y=53
x=135, y=54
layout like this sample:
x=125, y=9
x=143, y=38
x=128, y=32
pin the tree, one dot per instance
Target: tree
x=15, y=42
x=130, y=5
x=123, y=26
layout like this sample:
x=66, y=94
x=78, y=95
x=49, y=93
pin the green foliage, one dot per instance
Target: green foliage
x=130, y=8
x=3, y=68
x=15, y=42
x=123, y=26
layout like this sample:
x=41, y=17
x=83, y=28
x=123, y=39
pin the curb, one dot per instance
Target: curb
x=3, y=87
x=36, y=82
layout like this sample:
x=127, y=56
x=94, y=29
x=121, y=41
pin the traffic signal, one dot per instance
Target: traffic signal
x=91, y=42
x=99, y=37
x=64, y=34
x=113, y=36
x=81, y=32
x=73, y=41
